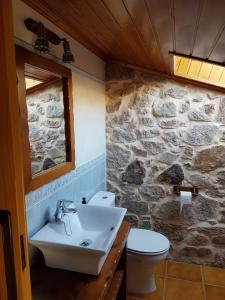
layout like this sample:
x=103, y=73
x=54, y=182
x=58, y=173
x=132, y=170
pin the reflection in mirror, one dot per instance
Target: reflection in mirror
x=45, y=108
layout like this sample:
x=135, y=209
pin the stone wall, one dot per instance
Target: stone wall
x=46, y=128
x=161, y=133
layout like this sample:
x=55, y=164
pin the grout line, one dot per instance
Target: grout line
x=182, y=279
x=165, y=281
x=203, y=283
x=214, y=285
x=185, y=279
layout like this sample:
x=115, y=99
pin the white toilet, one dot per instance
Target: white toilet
x=145, y=248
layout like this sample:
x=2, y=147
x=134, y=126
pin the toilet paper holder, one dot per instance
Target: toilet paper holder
x=193, y=189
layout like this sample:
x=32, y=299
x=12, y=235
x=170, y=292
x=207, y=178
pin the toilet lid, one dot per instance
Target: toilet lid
x=147, y=241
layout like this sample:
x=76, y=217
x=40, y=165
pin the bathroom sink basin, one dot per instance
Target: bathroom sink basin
x=80, y=241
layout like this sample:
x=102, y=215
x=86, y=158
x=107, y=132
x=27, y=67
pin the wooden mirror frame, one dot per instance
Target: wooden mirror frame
x=23, y=57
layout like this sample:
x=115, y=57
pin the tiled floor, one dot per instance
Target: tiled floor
x=178, y=281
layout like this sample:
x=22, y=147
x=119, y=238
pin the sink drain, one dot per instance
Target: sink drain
x=85, y=243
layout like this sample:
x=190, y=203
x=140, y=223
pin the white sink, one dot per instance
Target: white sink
x=82, y=240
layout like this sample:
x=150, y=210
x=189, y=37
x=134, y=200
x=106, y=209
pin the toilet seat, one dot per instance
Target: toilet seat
x=147, y=242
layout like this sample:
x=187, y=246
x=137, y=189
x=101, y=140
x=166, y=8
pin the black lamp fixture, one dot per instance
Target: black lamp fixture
x=67, y=55
x=41, y=43
x=45, y=36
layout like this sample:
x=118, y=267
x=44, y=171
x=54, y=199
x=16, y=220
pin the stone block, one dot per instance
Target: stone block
x=139, y=152
x=168, y=158
x=153, y=147
x=48, y=163
x=221, y=111
x=123, y=135
x=35, y=168
x=35, y=133
x=51, y=135
x=187, y=153
x=173, y=175
x=196, y=252
x=176, y=93
x=32, y=117
x=164, y=109
x=52, y=123
x=54, y=111
x=170, y=124
x=209, y=108
x=221, y=177
x=196, y=239
x=171, y=137
x=174, y=232
x=117, y=157
x=134, y=173
x=205, y=208
x=201, y=181
x=146, y=121
x=219, y=240
x=147, y=133
x=55, y=153
x=210, y=159
x=136, y=207
x=152, y=192
x=184, y=107
x=199, y=115
x=200, y=135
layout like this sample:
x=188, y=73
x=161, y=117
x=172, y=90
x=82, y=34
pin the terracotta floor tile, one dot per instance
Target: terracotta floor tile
x=215, y=292
x=178, y=289
x=214, y=276
x=157, y=295
x=184, y=271
x=160, y=269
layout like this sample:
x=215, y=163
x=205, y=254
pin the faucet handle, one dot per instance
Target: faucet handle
x=62, y=204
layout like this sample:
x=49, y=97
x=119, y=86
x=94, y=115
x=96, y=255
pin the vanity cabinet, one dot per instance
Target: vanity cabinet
x=110, y=284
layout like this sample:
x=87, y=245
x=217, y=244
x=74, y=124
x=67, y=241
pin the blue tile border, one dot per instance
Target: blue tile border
x=47, y=190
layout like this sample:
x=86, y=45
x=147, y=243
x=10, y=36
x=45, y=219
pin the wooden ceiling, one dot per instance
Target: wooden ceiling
x=142, y=32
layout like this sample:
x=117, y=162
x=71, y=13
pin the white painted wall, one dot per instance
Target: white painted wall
x=88, y=94
x=89, y=118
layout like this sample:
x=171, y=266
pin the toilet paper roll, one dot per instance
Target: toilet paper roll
x=185, y=198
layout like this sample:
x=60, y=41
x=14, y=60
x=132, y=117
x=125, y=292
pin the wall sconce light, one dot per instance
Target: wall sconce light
x=67, y=55
x=45, y=36
x=41, y=43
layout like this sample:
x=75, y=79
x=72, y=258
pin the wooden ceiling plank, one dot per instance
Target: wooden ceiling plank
x=139, y=17
x=92, y=28
x=199, y=13
x=119, y=12
x=101, y=11
x=92, y=24
x=160, y=14
x=217, y=52
x=185, y=14
x=210, y=27
x=173, y=24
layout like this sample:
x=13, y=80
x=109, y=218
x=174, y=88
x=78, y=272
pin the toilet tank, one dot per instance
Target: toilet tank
x=103, y=198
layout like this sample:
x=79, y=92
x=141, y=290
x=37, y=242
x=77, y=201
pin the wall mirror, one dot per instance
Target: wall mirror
x=46, y=106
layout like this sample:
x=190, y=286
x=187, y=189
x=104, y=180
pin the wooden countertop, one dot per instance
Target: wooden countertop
x=49, y=284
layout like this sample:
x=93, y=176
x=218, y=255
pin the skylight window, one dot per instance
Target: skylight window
x=199, y=70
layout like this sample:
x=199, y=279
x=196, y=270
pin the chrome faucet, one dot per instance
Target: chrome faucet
x=62, y=209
